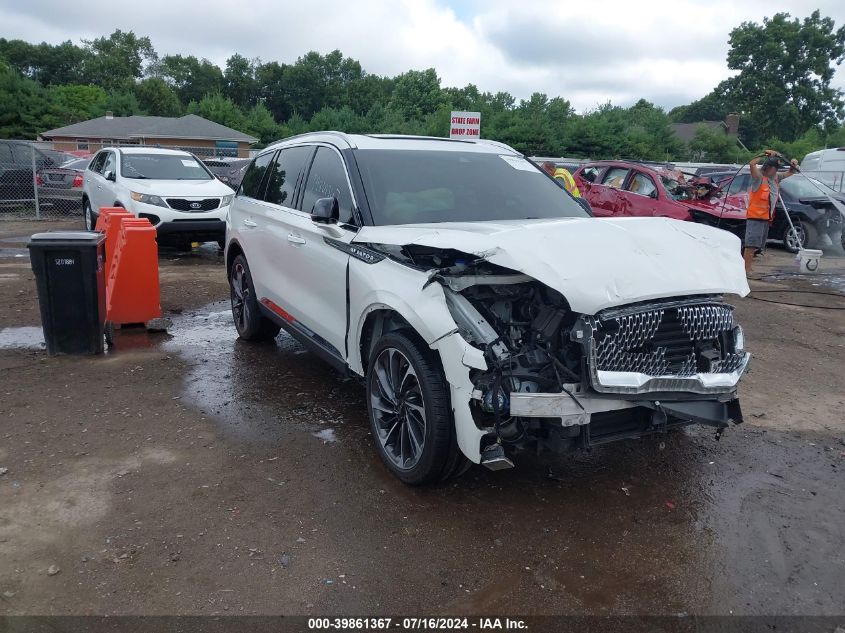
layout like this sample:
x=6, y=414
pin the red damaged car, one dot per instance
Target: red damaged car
x=623, y=188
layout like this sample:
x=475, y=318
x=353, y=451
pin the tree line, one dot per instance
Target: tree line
x=781, y=88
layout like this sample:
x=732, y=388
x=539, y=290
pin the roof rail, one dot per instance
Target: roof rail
x=410, y=137
x=342, y=135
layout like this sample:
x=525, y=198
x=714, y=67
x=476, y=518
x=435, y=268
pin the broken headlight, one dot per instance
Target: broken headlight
x=739, y=339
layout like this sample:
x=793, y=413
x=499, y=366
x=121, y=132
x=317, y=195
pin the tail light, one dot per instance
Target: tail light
x=38, y=180
x=77, y=181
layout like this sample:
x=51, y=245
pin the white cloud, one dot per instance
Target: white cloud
x=587, y=52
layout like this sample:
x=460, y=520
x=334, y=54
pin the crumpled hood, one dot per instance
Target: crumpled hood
x=594, y=263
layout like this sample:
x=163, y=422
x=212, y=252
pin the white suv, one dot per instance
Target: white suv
x=484, y=308
x=171, y=188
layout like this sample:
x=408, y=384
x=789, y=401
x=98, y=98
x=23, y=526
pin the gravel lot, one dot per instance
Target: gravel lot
x=192, y=473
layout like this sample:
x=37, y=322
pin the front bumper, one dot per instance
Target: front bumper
x=200, y=230
x=165, y=215
x=629, y=382
x=576, y=407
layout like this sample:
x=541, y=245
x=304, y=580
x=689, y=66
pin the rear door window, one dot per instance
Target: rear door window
x=22, y=154
x=738, y=184
x=642, y=185
x=252, y=184
x=615, y=177
x=283, y=175
x=327, y=178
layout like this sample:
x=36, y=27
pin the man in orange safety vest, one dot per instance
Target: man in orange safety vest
x=762, y=198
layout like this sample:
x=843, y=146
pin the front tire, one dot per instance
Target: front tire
x=410, y=413
x=803, y=236
x=249, y=322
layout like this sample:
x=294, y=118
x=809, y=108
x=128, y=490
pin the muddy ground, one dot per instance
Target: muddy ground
x=192, y=473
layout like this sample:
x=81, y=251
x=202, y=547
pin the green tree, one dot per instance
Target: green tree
x=157, y=98
x=45, y=63
x=716, y=146
x=117, y=61
x=239, y=80
x=785, y=69
x=190, y=77
x=808, y=142
x=416, y=93
x=260, y=123
x=215, y=107
x=25, y=108
x=74, y=103
x=119, y=103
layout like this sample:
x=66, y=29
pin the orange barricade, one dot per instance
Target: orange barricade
x=132, y=290
x=103, y=216
x=108, y=222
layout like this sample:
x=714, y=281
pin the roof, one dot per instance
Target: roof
x=144, y=149
x=398, y=141
x=189, y=126
x=686, y=131
x=653, y=168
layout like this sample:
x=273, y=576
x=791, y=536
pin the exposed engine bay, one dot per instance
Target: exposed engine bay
x=540, y=389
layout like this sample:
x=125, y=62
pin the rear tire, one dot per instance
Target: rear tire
x=410, y=413
x=249, y=322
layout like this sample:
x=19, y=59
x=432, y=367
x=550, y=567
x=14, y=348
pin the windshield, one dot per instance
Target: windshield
x=412, y=186
x=57, y=157
x=80, y=164
x=163, y=167
x=799, y=186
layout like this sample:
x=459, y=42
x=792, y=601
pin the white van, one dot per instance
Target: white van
x=827, y=165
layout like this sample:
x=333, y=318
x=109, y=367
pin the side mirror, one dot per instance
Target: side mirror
x=110, y=175
x=325, y=211
x=653, y=195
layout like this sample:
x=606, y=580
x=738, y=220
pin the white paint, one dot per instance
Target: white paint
x=594, y=263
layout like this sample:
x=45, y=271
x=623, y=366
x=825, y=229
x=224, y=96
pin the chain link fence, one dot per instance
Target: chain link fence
x=38, y=181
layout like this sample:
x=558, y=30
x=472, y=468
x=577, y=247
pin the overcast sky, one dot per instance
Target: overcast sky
x=588, y=52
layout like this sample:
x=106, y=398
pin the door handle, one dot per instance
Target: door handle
x=249, y=224
x=295, y=239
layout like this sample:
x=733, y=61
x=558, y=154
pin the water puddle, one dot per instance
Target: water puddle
x=14, y=253
x=21, y=338
x=259, y=391
x=327, y=435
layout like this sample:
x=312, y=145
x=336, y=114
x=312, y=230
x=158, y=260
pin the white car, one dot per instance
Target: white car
x=171, y=188
x=484, y=308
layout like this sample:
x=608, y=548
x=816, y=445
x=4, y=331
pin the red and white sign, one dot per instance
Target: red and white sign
x=465, y=125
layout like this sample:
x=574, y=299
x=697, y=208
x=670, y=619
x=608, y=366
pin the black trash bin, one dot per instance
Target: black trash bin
x=69, y=273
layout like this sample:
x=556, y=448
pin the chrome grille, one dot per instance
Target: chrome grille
x=675, y=340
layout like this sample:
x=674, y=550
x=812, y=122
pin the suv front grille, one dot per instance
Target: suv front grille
x=193, y=206
x=671, y=340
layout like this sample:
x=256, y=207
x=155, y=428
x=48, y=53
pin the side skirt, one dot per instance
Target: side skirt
x=310, y=340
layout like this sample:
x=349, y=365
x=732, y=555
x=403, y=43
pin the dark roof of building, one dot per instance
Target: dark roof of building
x=686, y=131
x=189, y=126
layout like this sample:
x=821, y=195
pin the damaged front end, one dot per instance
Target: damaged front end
x=558, y=380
